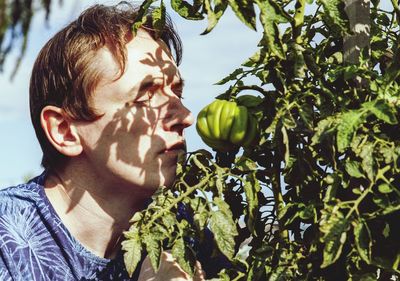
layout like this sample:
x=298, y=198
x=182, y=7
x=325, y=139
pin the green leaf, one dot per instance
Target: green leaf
x=308, y=213
x=307, y=113
x=353, y=169
x=271, y=15
x=383, y=111
x=386, y=230
x=224, y=228
x=244, y=10
x=158, y=18
x=333, y=225
x=141, y=15
x=325, y=128
x=385, y=188
x=381, y=201
x=184, y=256
x=215, y=14
x=363, y=240
x=257, y=58
x=136, y=217
x=299, y=61
x=251, y=188
x=230, y=77
x=349, y=123
x=368, y=162
x=187, y=11
x=334, y=182
x=309, y=60
x=290, y=213
x=245, y=164
x=335, y=15
x=152, y=242
x=249, y=100
x=133, y=250
x=390, y=209
x=168, y=221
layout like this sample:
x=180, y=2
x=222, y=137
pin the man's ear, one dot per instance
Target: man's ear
x=60, y=131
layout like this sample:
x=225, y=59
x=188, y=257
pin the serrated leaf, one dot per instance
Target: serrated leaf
x=353, y=169
x=386, y=230
x=184, y=256
x=245, y=164
x=335, y=15
x=363, y=240
x=382, y=111
x=349, y=123
x=333, y=225
x=306, y=113
x=244, y=10
x=141, y=15
x=257, y=58
x=325, y=127
x=271, y=15
x=158, y=18
x=249, y=100
x=390, y=209
x=153, y=247
x=187, y=11
x=136, y=217
x=290, y=213
x=385, y=188
x=308, y=212
x=133, y=250
x=230, y=77
x=200, y=220
x=251, y=188
x=367, y=162
x=213, y=15
x=299, y=61
x=224, y=228
x=168, y=221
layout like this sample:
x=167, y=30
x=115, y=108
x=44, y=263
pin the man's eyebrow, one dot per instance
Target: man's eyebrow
x=150, y=82
x=146, y=84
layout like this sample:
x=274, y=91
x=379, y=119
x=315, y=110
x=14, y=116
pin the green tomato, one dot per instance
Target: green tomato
x=225, y=125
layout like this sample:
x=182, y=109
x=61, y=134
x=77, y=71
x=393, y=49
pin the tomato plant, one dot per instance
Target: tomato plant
x=317, y=196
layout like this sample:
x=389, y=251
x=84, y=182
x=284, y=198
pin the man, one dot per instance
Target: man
x=106, y=107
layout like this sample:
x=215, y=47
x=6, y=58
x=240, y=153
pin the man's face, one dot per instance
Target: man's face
x=135, y=143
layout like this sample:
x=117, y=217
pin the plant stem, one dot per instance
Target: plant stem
x=202, y=183
x=253, y=87
x=279, y=203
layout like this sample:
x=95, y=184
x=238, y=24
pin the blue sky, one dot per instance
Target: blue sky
x=206, y=60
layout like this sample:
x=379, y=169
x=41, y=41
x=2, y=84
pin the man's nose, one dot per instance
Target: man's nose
x=179, y=116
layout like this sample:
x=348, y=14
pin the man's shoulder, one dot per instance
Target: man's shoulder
x=20, y=196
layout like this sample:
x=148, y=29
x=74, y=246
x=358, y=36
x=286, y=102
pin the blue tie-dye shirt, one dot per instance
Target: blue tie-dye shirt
x=36, y=245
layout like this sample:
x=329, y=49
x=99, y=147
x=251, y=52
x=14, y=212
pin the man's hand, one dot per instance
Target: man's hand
x=169, y=270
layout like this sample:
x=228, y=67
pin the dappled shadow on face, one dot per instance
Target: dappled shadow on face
x=139, y=145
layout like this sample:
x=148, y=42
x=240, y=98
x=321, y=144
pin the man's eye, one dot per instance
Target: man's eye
x=142, y=101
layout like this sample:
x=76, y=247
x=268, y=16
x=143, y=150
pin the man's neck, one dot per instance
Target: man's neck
x=93, y=217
